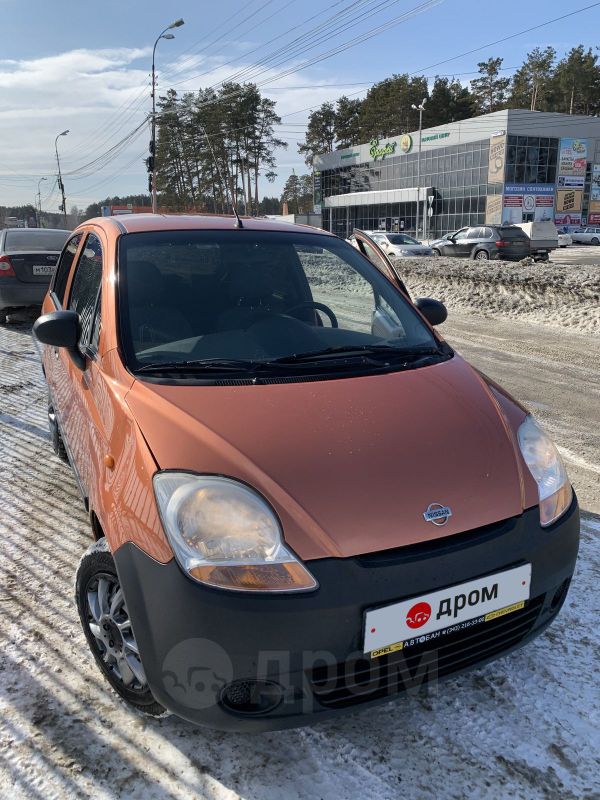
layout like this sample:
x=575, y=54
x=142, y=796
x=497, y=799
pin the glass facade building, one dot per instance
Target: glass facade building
x=462, y=181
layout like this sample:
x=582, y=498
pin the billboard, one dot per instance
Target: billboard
x=317, y=195
x=532, y=199
x=594, y=209
x=497, y=158
x=572, y=157
x=493, y=209
x=569, y=201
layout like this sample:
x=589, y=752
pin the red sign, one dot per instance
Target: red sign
x=418, y=615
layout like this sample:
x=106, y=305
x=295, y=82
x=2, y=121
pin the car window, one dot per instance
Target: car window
x=512, y=234
x=61, y=276
x=401, y=238
x=270, y=295
x=486, y=233
x=35, y=240
x=462, y=234
x=474, y=233
x=86, y=285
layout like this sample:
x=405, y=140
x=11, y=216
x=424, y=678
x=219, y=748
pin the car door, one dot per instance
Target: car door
x=369, y=248
x=84, y=299
x=451, y=246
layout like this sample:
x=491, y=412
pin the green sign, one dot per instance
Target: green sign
x=435, y=136
x=376, y=151
x=350, y=155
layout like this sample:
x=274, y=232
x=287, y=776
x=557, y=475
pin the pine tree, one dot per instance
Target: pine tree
x=490, y=89
x=449, y=101
x=533, y=84
x=347, y=122
x=578, y=82
x=320, y=133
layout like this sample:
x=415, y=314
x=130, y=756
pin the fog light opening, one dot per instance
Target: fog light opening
x=560, y=594
x=252, y=697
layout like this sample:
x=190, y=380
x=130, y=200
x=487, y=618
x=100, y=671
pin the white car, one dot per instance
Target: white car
x=564, y=239
x=400, y=245
x=586, y=236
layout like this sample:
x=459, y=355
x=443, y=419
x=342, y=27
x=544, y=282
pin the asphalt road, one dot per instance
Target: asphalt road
x=556, y=374
x=577, y=254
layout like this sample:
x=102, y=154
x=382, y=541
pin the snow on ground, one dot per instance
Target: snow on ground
x=526, y=726
x=554, y=294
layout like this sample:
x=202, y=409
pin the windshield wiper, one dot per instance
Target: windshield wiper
x=359, y=351
x=201, y=365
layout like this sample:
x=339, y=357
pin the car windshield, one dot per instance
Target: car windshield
x=235, y=299
x=401, y=238
x=35, y=240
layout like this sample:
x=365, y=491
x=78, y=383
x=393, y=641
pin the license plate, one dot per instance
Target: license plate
x=390, y=628
x=44, y=269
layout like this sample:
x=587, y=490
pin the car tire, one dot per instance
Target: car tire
x=435, y=252
x=481, y=255
x=105, y=622
x=595, y=240
x=55, y=436
x=3, y=317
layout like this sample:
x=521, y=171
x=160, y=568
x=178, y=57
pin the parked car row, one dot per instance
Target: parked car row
x=586, y=236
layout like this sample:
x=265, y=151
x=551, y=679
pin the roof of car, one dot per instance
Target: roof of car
x=136, y=223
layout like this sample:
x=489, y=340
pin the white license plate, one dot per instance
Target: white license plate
x=44, y=269
x=390, y=628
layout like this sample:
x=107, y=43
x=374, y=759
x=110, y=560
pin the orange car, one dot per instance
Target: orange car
x=303, y=500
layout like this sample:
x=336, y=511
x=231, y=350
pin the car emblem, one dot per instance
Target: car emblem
x=51, y=258
x=437, y=513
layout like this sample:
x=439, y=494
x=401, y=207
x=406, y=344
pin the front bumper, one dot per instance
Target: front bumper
x=17, y=294
x=194, y=641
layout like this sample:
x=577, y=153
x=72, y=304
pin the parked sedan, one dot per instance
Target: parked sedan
x=587, y=236
x=303, y=500
x=400, y=245
x=28, y=259
x=484, y=242
x=564, y=239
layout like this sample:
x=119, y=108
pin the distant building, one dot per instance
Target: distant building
x=509, y=166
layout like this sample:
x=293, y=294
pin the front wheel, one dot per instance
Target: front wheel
x=435, y=252
x=107, y=627
x=595, y=240
x=481, y=255
x=55, y=436
x=3, y=317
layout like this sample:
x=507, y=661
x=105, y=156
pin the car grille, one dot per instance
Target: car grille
x=361, y=680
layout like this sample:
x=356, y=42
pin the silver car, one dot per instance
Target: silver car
x=28, y=258
x=400, y=245
x=586, y=236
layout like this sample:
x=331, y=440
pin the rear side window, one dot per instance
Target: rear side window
x=511, y=234
x=85, y=288
x=34, y=240
x=63, y=268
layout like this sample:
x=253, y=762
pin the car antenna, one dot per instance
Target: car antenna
x=238, y=223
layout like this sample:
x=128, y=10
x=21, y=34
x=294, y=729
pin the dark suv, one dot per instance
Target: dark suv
x=483, y=242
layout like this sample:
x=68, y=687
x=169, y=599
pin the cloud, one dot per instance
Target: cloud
x=101, y=95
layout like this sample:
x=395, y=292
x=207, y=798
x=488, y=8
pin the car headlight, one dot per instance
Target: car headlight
x=548, y=471
x=225, y=534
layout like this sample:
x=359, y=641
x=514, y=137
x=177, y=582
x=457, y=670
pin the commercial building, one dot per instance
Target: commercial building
x=509, y=166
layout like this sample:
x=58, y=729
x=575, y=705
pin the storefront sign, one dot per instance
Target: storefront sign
x=493, y=209
x=317, y=196
x=573, y=157
x=434, y=136
x=568, y=220
x=349, y=155
x=570, y=181
x=594, y=210
x=497, y=159
x=569, y=200
x=406, y=143
x=530, y=199
x=387, y=149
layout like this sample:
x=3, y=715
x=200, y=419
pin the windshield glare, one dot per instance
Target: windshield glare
x=35, y=240
x=255, y=296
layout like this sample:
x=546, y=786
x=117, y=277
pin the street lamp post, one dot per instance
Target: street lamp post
x=39, y=202
x=420, y=108
x=152, y=160
x=61, y=185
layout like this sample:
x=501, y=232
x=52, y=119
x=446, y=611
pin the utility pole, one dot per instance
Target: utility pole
x=61, y=185
x=151, y=160
x=420, y=108
x=39, y=202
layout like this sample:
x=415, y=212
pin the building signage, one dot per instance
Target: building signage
x=570, y=181
x=388, y=149
x=350, y=155
x=406, y=143
x=532, y=199
x=594, y=209
x=572, y=158
x=317, y=194
x=497, y=159
x=432, y=137
x=568, y=200
x=493, y=209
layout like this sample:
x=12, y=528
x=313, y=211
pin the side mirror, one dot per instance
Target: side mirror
x=61, y=329
x=434, y=312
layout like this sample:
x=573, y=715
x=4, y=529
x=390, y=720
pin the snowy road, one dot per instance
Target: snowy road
x=526, y=726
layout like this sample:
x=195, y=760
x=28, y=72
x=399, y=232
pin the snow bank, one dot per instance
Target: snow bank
x=557, y=295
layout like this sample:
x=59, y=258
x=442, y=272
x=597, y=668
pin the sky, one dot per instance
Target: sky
x=85, y=67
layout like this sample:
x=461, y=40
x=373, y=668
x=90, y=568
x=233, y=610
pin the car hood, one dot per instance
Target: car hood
x=414, y=248
x=350, y=465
